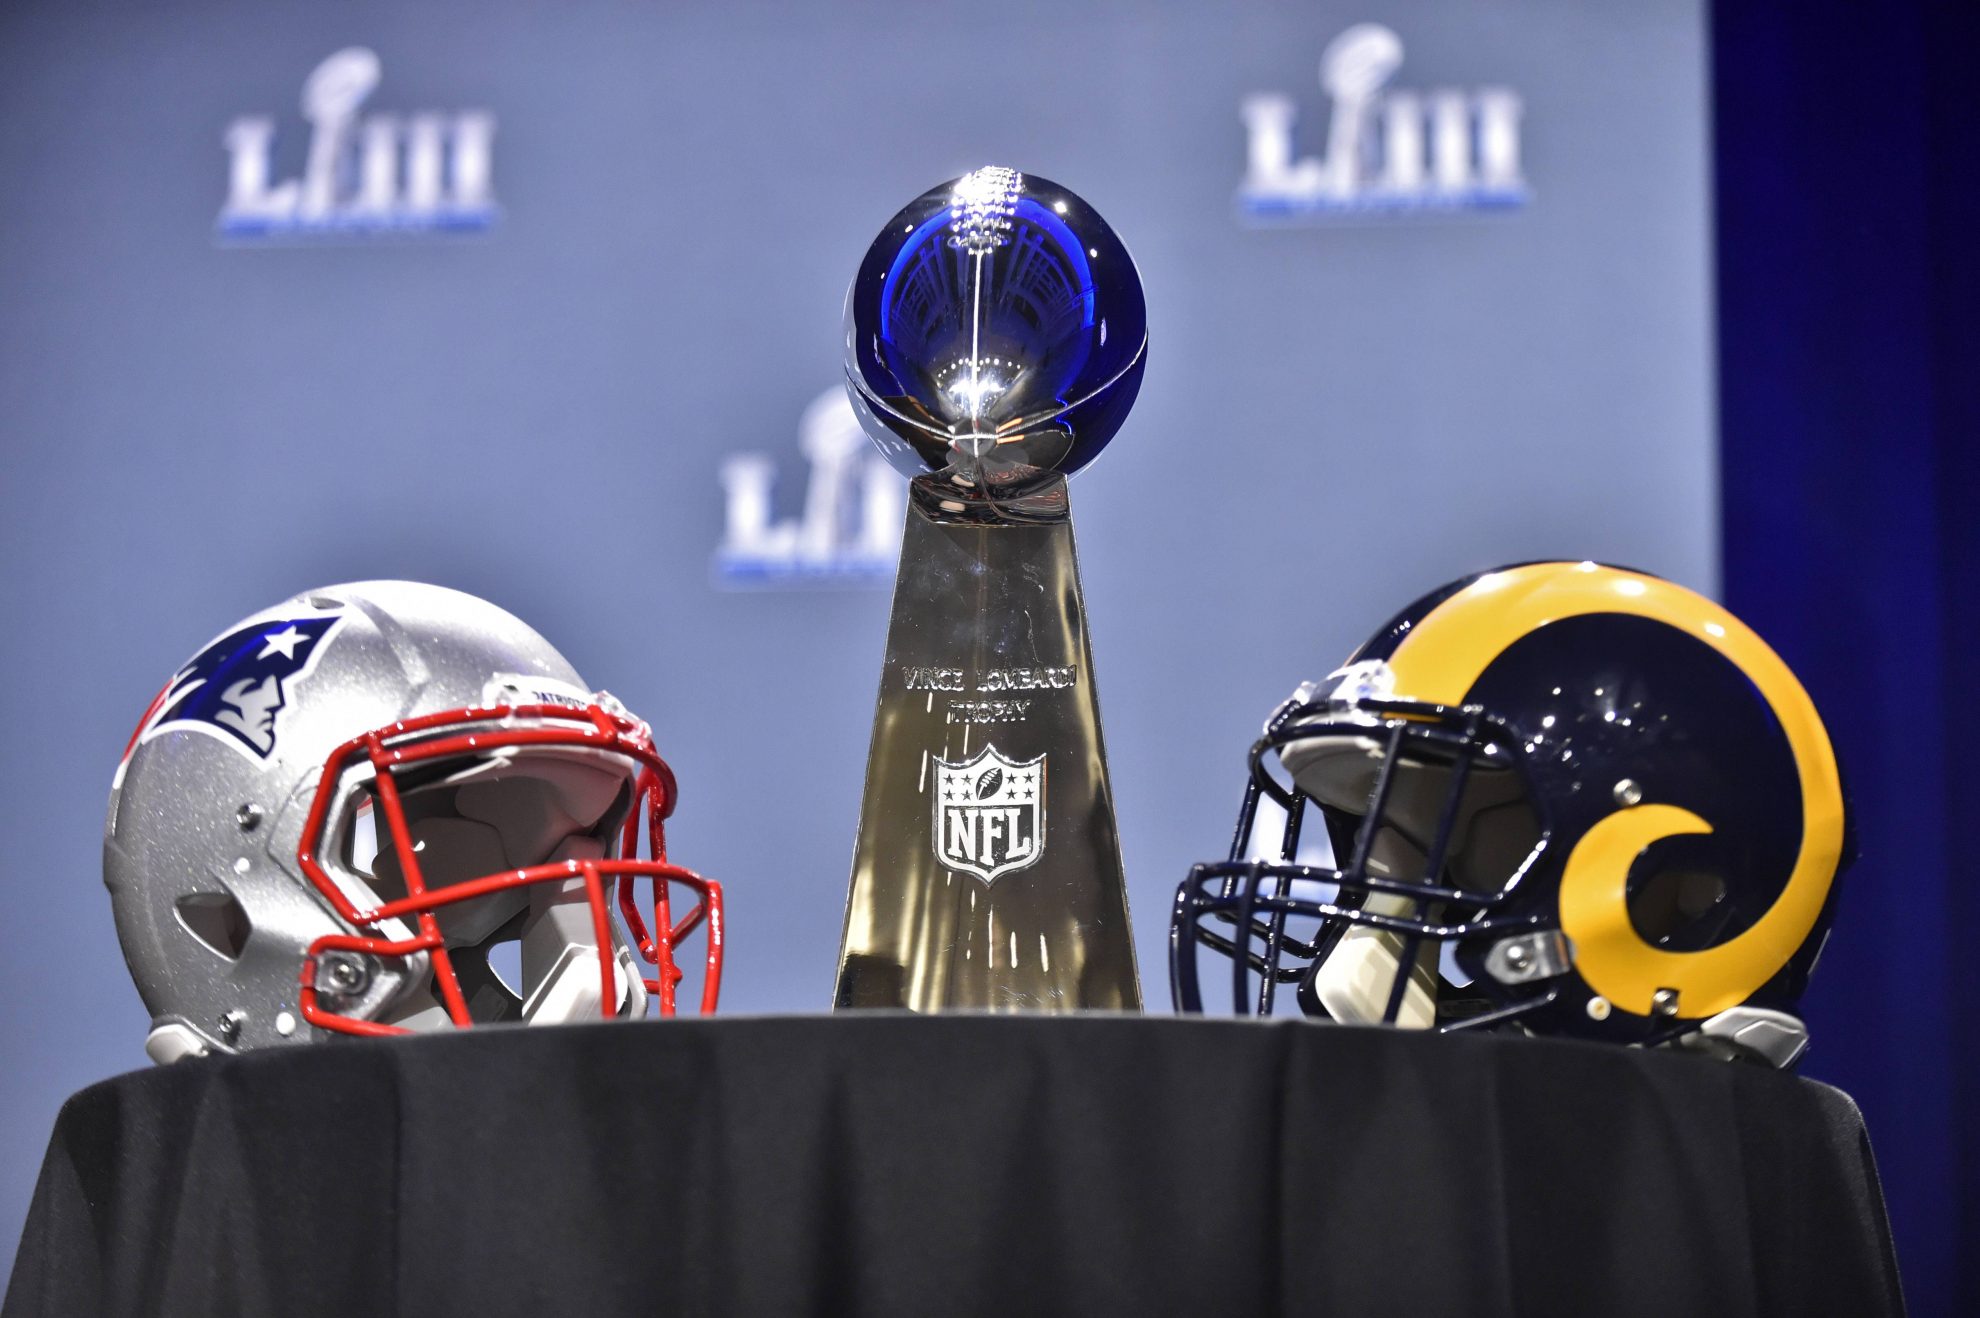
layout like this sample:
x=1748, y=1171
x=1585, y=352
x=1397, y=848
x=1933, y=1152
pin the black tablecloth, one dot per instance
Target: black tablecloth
x=886, y=1164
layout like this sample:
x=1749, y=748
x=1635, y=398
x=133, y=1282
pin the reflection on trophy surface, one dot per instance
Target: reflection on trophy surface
x=995, y=338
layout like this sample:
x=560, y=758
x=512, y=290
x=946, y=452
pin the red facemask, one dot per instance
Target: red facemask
x=468, y=734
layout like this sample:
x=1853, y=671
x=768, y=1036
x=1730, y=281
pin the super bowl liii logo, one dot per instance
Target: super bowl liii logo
x=989, y=813
x=1387, y=151
x=849, y=530
x=424, y=172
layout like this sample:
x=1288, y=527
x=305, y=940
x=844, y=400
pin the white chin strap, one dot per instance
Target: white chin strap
x=1355, y=980
x=559, y=960
x=560, y=952
x=570, y=991
x=567, y=991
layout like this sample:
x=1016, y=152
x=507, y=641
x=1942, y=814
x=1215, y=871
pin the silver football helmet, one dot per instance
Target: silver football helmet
x=388, y=807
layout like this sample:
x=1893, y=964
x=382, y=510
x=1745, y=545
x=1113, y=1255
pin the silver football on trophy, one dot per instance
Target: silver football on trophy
x=995, y=335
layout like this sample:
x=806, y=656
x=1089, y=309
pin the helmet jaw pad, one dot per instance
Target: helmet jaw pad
x=1472, y=810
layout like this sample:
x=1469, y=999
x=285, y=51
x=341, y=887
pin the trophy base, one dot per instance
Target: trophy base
x=987, y=872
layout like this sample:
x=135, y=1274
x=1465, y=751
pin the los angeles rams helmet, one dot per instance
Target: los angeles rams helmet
x=389, y=807
x=1563, y=797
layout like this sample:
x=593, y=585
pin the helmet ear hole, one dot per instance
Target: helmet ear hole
x=216, y=920
x=1680, y=907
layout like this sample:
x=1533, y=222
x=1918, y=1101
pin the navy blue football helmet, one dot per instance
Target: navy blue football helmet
x=1565, y=797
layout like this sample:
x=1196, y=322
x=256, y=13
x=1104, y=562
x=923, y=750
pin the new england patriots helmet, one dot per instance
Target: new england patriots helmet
x=390, y=807
x=1559, y=797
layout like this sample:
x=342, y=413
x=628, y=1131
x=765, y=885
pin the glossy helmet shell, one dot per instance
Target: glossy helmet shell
x=215, y=818
x=1681, y=819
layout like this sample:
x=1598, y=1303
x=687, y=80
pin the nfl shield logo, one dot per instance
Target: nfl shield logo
x=989, y=814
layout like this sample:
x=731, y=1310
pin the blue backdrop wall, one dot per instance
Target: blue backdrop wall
x=1849, y=311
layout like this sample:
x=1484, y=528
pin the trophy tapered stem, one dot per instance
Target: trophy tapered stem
x=987, y=871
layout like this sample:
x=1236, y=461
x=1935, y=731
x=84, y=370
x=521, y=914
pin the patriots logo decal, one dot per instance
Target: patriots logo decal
x=236, y=688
